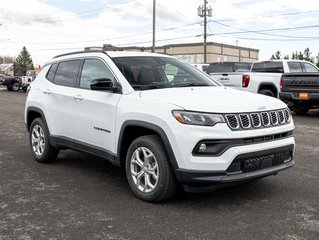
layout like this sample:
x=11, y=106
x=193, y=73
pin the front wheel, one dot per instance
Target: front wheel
x=15, y=87
x=148, y=170
x=41, y=148
x=9, y=88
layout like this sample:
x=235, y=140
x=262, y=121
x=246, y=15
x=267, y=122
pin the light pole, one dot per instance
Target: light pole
x=154, y=10
x=204, y=11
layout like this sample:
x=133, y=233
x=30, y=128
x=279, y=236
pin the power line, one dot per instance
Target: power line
x=263, y=32
x=267, y=16
x=104, y=39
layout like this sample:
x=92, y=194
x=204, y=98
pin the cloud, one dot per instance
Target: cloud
x=47, y=30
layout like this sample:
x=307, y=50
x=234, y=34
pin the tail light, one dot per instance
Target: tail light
x=246, y=79
x=280, y=83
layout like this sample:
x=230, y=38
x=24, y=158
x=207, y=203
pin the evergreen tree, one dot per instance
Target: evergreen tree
x=275, y=56
x=300, y=56
x=23, y=62
x=307, y=55
x=286, y=57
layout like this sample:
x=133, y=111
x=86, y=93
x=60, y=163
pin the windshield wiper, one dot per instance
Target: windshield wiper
x=151, y=86
x=191, y=85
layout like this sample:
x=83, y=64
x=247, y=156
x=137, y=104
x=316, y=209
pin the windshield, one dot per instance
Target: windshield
x=160, y=72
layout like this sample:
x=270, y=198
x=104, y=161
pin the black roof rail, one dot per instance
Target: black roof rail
x=79, y=52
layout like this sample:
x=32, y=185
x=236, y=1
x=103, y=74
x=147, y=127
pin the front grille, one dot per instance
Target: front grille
x=257, y=163
x=244, y=121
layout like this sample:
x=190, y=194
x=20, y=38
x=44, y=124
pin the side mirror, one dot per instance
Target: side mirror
x=103, y=84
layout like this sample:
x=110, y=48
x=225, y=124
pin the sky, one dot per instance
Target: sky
x=51, y=27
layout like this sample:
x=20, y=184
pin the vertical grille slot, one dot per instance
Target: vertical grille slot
x=265, y=119
x=287, y=115
x=281, y=117
x=274, y=118
x=232, y=121
x=244, y=120
x=255, y=120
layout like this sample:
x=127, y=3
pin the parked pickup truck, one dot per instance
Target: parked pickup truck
x=11, y=82
x=264, y=77
x=300, y=91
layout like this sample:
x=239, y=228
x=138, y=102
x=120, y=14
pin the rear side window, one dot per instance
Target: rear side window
x=307, y=67
x=51, y=72
x=67, y=72
x=294, y=67
x=272, y=67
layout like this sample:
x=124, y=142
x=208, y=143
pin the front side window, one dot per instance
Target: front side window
x=160, y=72
x=67, y=72
x=294, y=67
x=309, y=68
x=93, y=69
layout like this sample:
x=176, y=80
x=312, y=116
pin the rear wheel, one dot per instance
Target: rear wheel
x=148, y=171
x=41, y=149
x=267, y=92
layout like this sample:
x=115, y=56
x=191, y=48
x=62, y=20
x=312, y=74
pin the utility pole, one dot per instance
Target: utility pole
x=205, y=12
x=154, y=11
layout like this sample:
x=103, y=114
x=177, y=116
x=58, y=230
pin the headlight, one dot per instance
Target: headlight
x=197, y=118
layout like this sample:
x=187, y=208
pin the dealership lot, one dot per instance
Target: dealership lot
x=84, y=197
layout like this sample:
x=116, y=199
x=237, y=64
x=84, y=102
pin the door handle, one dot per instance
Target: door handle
x=78, y=97
x=47, y=91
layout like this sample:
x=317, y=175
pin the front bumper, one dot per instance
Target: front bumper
x=265, y=165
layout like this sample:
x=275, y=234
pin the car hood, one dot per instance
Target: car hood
x=214, y=99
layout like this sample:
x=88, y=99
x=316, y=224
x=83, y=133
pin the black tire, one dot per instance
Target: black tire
x=48, y=153
x=266, y=92
x=301, y=110
x=166, y=184
x=15, y=87
x=9, y=88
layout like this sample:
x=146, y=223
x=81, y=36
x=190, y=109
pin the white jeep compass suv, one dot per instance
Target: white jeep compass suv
x=161, y=119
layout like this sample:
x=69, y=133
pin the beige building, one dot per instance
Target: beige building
x=193, y=52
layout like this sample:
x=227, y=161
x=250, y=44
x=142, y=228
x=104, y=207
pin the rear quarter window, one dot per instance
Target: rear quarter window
x=51, y=73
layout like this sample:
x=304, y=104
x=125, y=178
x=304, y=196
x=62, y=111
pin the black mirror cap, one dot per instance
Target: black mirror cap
x=103, y=84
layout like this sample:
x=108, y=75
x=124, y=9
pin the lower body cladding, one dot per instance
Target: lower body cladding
x=248, y=163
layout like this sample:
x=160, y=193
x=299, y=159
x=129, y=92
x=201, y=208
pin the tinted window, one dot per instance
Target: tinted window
x=294, y=67
x=145, y=73
x=93, y=69
x=242, y=67
x=220, y=67
x=309, y=68
x=66, y=73
x=51, y=72
x=272, y=67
